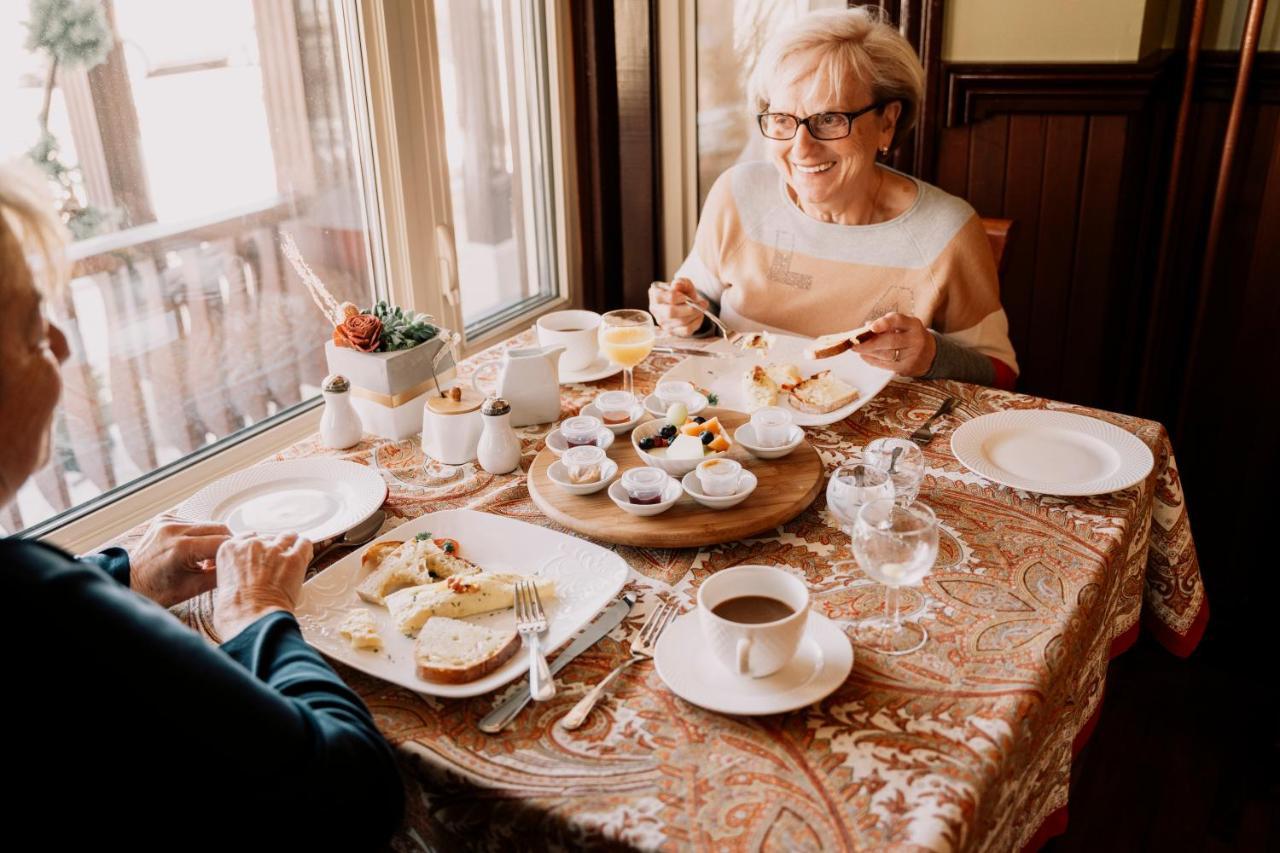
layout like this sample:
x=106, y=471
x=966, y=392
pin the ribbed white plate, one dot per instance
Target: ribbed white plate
x=1052, y=453
x=318, y=498
x=724, y=376
x=587, y=577
x=687, y=665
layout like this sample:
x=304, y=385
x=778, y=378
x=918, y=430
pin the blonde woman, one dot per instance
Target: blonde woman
x=121, y=723
x=822, y=238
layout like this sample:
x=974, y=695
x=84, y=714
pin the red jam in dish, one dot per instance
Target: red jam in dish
x=656, y=499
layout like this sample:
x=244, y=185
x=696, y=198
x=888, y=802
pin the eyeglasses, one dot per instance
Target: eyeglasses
x=821, y=125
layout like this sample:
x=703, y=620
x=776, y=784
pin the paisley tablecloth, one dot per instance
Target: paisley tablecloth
x=964, y=745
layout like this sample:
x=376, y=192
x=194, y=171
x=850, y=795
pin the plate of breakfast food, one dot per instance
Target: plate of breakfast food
x=820, y=381
x=428, y=605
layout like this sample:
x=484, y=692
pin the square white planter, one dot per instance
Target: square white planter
x=389, y=389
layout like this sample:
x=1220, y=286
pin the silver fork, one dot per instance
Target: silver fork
x=531, y=621
x=642, y=645
x=924, y=434
x=729, y=335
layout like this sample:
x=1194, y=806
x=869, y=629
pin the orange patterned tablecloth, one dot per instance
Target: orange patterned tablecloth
x=965, y=744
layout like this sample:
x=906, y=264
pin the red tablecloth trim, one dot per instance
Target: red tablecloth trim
x=1181, y=645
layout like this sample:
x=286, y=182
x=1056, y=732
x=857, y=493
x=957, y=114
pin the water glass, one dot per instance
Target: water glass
x=908, y=466
x=897, y=546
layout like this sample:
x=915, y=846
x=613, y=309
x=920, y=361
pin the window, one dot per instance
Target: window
x=496, y=92
x=413, y=150
x=208, y=130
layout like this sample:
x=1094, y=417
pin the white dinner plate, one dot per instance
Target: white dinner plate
x=724, y=376
x=822, y=663
x=1052, y=453
x=318, y=498
x=600, y=368
x=587, y=577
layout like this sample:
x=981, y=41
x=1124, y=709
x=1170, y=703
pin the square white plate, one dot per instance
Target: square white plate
x=724, y=376
x=587, y=577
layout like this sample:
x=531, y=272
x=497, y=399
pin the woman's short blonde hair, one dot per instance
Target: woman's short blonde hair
x=31, y=235
x=836, y=48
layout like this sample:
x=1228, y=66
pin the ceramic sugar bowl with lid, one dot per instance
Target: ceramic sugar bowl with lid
x=451, y=426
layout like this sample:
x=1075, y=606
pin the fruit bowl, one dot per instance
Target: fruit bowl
x=677, y=467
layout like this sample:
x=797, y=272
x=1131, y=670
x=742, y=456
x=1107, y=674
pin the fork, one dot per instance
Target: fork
x=531, y=621
x=924, y=434
x=734, y=338
x=642, y=645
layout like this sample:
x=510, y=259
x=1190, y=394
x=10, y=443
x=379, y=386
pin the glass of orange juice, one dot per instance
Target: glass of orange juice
x=626, y=339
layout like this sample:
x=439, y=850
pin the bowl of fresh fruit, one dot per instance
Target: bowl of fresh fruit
x=677, y=443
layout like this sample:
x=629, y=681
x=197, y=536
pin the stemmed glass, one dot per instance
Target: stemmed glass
x=852, y=485
x=626, y=339
x=897, y=546
x=908, y=466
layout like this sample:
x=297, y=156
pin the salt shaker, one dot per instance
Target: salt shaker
x=340, y=426
x=499, y=450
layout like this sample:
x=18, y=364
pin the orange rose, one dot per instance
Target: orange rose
x=362, y=332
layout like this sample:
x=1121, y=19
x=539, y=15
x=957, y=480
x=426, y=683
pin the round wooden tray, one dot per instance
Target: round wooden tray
x=787, y=486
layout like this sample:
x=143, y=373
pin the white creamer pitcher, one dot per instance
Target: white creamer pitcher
x=530, y=381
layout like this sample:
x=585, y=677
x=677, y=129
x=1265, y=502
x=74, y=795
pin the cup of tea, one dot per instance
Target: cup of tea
x=753, y=618
x=573, y=330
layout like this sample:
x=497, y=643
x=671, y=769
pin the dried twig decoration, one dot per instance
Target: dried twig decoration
x=319, y=293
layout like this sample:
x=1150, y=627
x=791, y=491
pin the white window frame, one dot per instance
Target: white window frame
x=411, y=217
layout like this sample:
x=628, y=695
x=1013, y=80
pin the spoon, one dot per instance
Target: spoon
x=358, y=535
x=897, y=451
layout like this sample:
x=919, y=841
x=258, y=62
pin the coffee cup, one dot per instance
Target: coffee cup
x=576, y=331
x=753, y=618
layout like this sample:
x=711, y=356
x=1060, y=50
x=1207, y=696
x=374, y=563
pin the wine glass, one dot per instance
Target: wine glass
x=907, y=461
x=852, y=485
x=626, y=339
x=897, y=546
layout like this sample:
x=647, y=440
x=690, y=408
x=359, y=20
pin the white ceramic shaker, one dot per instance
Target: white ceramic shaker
x=340, y=426
x=499, y=451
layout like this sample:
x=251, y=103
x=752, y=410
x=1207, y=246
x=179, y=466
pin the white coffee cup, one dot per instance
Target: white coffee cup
x=576, y=331
x=754, y=649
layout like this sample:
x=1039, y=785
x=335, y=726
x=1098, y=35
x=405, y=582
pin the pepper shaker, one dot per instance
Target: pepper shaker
x=340, y=426
x=499, y=450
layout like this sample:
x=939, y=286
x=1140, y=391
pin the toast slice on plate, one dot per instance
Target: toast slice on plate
x=822, y=393
x=759, y=388
x=785, y=376
x=455, y=652
x=395, y=565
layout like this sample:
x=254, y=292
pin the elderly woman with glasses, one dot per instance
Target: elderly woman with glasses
x=823, y=239
x=123, y=724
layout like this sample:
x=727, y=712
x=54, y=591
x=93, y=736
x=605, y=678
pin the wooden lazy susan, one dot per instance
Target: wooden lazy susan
x=787, y=486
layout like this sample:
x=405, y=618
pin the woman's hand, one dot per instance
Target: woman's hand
x=257, y=575
x=902, y=344
x=669, y=307
x=174, y=559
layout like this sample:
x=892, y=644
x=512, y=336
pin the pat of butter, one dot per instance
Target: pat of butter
x=686, y=447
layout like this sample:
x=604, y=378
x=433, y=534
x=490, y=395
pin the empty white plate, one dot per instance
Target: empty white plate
x=687, y=665
x=1052, y=453
x=318, y=498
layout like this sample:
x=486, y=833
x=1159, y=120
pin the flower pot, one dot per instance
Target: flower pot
x=389, y=389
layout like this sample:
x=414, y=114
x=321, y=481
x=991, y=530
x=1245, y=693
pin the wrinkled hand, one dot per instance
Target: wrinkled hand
x=174, y=559
x=258, y=575
x=902, y=344
x=670, y=308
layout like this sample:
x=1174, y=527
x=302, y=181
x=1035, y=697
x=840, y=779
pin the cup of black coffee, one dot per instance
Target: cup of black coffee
x=753, y=618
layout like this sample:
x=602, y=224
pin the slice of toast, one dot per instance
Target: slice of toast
x=822, y=393
x=454, y=652
x=759, y=389
x=785, y=376
x=395, y=565
x=832, y=345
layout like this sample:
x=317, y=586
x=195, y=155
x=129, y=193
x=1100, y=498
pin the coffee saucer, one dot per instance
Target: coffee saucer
x=600, y=368
x=822, y=664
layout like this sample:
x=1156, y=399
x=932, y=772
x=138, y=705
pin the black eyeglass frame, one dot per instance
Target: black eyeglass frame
x=850, y=117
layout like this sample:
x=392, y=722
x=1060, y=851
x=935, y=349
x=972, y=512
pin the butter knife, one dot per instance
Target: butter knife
x=609, y=618
x=667, y=349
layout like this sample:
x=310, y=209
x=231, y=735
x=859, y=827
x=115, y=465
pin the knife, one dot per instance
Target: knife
x=674, y=350
x=497, y=719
